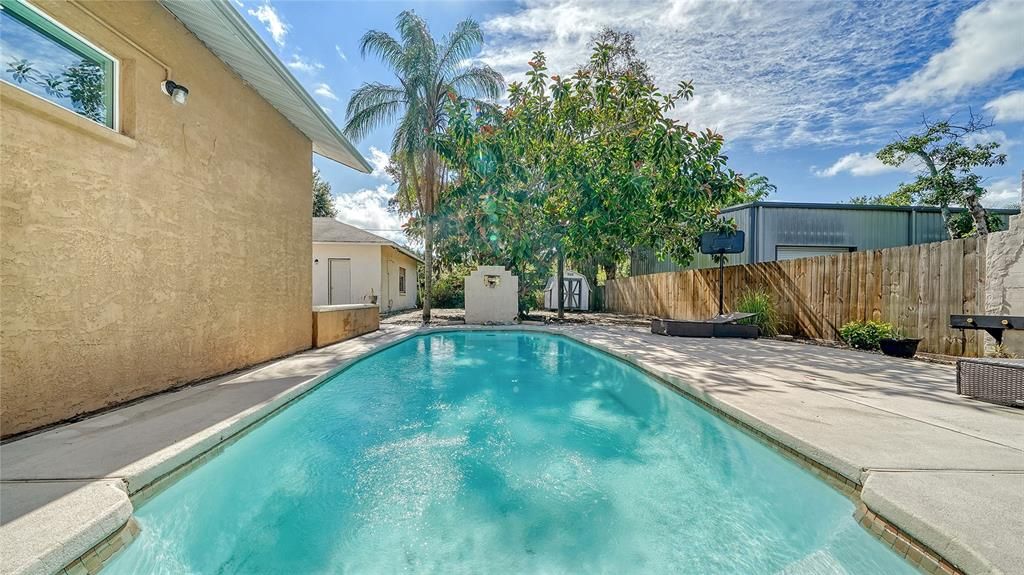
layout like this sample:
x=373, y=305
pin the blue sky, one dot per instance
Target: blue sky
x=804, y=91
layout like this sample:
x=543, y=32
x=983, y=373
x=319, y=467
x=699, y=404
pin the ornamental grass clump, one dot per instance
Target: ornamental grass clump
x=760, y=302
x=866, y=334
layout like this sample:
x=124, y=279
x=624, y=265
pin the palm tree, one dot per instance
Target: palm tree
x=428, y=73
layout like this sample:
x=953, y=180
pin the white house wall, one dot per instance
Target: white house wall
x=392, y=259
x=366, y=270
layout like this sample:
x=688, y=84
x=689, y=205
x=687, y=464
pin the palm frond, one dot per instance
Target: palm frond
x=373, y=105
x=372, y=93
x=459, y=45
x=411, y=133
x=479, y=80
x=385, y=47
x=419, y=46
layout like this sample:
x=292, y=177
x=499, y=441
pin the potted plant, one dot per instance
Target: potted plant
x=899, y=346
x=373, y=297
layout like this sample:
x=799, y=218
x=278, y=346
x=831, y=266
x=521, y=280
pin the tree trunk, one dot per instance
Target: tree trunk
x=944, y=206
x=427, y=196
x=978, y=213
x=561, y=284
x=610, y=270
x=947, y=220
x=428, y=265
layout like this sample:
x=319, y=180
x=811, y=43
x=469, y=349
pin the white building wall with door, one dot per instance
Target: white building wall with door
x=364, y=265
x=397, y=293
x=372, y=270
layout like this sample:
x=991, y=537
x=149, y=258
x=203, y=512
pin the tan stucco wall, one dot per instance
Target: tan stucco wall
x=334, y=323
x=173, y=252
x=392, y=299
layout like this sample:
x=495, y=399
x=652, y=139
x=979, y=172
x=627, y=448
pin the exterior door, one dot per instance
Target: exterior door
x=339, y=281
x=573, y=293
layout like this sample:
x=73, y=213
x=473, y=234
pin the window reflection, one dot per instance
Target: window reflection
x=40, y=57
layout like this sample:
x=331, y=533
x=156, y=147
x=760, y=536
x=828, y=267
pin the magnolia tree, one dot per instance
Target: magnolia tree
x=584, y=166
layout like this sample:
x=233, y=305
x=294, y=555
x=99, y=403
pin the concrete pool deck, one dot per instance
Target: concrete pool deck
x=946, y=469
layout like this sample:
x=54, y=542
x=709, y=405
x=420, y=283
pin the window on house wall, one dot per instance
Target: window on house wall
x=401, y=280
x=42, y=57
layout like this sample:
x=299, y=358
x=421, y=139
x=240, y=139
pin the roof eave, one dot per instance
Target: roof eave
x=340, y=150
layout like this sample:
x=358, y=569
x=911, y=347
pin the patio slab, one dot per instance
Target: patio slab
x=973, y=519
x=893, y=426
x=48, y=525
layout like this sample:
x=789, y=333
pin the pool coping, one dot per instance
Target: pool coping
x=151, y=475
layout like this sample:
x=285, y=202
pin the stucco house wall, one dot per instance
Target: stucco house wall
x=172, y=251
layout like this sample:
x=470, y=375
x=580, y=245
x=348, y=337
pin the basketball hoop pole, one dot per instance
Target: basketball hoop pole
x=719, y=244
x=721, y=282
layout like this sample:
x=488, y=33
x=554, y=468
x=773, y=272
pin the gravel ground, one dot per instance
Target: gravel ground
x=457, y=316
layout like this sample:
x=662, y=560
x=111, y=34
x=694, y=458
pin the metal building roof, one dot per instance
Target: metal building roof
x=869, y=207
x=225, y=32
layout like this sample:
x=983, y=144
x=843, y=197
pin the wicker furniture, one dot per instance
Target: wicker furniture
x=718, y=326
x=993, y=380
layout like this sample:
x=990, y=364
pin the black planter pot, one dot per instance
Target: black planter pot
x=905, y=347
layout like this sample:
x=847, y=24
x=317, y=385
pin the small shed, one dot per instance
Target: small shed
x=577, y=292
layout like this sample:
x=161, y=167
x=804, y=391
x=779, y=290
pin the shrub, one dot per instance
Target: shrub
x=866, y=334
x=449, y=287
x=1000, y=351
x=760, y=302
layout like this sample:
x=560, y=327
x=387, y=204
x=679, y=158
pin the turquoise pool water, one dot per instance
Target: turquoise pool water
x=499, y=452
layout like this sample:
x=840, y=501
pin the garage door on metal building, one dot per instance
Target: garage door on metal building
x=797, y=252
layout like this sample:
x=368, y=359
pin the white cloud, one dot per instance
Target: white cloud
x=1002, y=193
x=379, y=159
x=1009, y=107
x=269, y=17
x=776, y=73
x=988, y=44
x=326, y=109
x=325, y=91
x=301, y=64
x=986, y=136
x=857, y=164
x=341, y=53
x=368, y=209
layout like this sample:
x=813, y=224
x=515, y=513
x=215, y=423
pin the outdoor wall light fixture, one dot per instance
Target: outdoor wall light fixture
x=177, y=92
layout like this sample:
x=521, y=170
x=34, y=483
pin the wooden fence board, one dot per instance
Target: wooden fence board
x=915, y=288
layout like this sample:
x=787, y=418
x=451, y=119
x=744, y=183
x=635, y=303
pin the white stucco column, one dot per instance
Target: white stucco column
x=492, y=296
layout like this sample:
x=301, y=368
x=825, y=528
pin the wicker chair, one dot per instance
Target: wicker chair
x=993, y=380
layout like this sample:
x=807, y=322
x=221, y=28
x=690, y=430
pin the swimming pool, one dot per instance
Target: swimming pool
x=499, y=452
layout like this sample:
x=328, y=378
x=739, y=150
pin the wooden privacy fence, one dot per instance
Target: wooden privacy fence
x=915, y=288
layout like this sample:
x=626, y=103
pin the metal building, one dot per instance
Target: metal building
x=785, y=230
